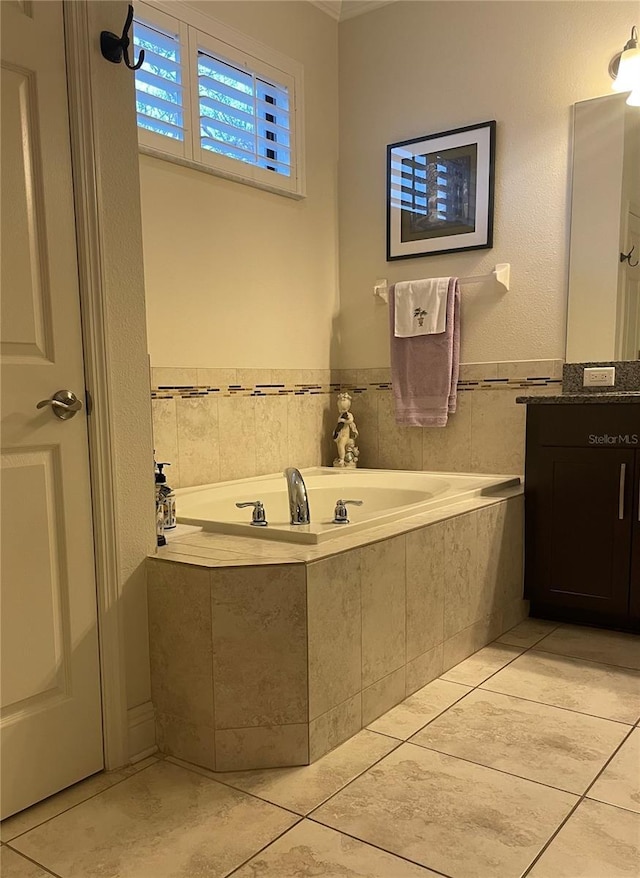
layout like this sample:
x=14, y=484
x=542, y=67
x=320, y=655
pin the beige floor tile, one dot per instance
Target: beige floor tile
x=599, y=690
x=161, y=822
x=527, y=633
x=13, y=865
x=303, y=789
x=597, y=841
x=594, y=644
x=447, y=814
x=419, y=709
x=312, y=850
x=79, y=792
x=619, y=783
x=552, y=746
x=482, y=664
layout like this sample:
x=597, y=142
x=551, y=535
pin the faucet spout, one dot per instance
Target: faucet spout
x=298, y=499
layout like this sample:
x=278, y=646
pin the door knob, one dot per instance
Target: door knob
x=64, y=404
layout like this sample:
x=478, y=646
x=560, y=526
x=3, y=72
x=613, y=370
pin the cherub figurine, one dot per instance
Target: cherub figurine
x=345, y=433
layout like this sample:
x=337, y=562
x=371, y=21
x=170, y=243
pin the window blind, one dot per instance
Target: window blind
x=160, y=101
x=212, y=99
x=243, y=116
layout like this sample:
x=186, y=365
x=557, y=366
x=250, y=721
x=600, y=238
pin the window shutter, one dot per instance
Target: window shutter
x=242, y=116
x=160, y=93
x=223, y=104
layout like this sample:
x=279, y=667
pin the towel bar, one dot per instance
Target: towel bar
x=501, y=274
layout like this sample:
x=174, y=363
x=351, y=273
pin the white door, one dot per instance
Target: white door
x=50, y=712
x=630, y=292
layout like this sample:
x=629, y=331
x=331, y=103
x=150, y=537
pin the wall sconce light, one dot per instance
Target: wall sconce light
x=624, y=69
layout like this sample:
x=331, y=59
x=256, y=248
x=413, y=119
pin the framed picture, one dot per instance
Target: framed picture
x=440, y=192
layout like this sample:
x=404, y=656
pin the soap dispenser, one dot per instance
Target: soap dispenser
x=160, y=478
x=165, y=502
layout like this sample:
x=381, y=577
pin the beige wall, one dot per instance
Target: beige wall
x=238, y=277
x=413, y=68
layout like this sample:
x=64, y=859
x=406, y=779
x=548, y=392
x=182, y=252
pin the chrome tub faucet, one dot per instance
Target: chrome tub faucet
x=298, y=499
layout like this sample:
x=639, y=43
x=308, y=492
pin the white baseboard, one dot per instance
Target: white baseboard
x=142, y=731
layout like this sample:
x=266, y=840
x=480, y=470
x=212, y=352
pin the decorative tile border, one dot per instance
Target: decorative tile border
x=183, y=392
x=313, y=390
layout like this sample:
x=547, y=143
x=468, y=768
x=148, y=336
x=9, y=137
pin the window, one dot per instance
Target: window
x=160, y=87
x=223, y=103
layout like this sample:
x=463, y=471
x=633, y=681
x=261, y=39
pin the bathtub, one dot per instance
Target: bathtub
x=387, y=495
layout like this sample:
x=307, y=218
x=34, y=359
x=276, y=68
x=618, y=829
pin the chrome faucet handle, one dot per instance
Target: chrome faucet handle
x=258, y=518
x=340, y=512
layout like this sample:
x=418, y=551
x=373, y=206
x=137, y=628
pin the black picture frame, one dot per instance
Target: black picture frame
x=440, y=192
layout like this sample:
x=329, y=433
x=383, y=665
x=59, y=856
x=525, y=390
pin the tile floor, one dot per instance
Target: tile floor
x=524, y=760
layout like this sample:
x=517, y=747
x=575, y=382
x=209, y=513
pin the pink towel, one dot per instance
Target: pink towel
x=424, y=369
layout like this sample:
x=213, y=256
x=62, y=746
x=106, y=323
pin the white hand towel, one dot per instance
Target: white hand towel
x=421, y=307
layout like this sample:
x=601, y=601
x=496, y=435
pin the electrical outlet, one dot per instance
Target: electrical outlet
x=602, y=376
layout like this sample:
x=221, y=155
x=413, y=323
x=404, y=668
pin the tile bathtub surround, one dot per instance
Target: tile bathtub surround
x=273, y=665
x=219, y=424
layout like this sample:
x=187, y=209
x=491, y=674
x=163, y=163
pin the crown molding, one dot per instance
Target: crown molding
x=351, y=8
x=340, y=10
x=330, y=7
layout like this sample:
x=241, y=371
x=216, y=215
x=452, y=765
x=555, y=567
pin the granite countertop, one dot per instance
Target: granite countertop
x=623, y=396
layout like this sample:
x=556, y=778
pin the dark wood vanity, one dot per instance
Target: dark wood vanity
x=582, y=510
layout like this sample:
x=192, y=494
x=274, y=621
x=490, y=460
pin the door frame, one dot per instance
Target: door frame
x=79, y=44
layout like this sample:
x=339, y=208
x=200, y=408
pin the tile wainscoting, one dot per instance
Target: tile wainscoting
x=222, y=424
x=276, y=664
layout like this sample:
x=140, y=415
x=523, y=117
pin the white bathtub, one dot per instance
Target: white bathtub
x=388, y=495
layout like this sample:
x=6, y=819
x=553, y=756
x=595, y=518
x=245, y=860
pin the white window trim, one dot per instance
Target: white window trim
x=195, y=30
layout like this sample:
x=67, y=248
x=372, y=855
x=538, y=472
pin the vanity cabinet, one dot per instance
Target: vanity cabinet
x=582, y=513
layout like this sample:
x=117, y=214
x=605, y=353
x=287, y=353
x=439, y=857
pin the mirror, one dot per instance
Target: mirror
x=603, y=320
